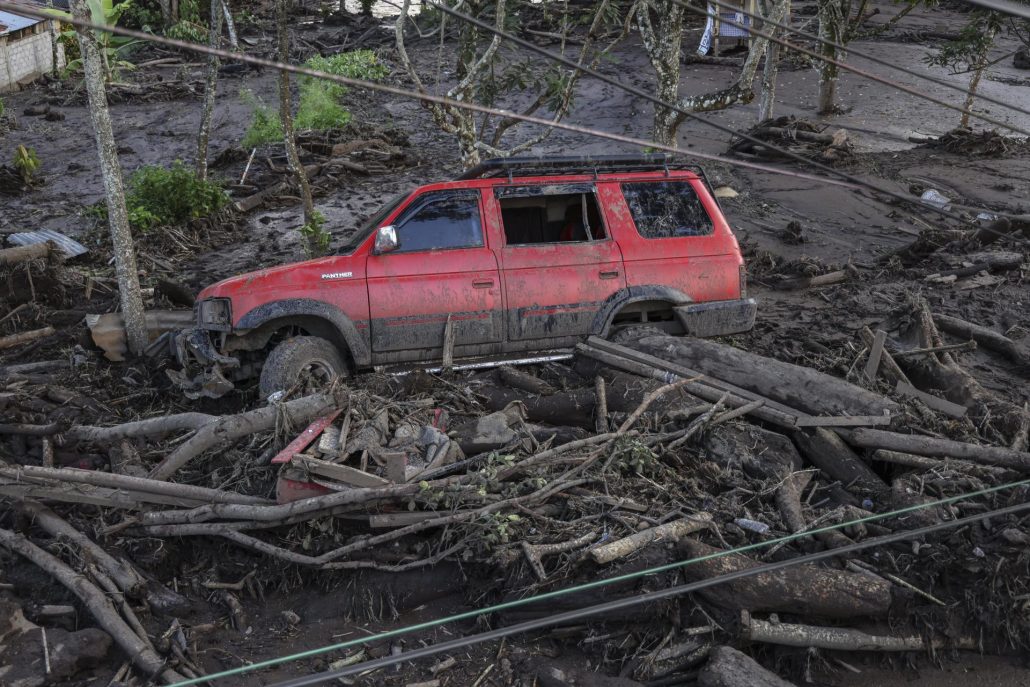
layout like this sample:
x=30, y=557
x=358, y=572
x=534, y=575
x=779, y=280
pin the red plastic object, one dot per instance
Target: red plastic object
x=287, y=490
x=305, y=438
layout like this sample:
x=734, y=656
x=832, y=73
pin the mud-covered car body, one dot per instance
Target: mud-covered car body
x=517, y=257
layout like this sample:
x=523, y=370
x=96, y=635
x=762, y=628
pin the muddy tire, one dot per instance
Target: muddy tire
x=307, y=362
x=633, y=333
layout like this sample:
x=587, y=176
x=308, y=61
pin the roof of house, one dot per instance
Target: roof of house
x=10, y=22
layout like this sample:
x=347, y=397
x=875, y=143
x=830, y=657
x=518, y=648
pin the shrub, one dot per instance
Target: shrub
x=316, y=238
x=265, y=127
x=168, y=196
x=26, y=162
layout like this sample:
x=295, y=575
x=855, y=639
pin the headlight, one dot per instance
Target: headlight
x=214, y=313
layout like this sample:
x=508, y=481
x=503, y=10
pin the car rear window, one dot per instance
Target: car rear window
x=666, y=209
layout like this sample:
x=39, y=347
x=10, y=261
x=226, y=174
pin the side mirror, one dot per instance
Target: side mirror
x=386, y=239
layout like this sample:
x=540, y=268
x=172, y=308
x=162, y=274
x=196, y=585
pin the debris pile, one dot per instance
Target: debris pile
x=797, y=135
x=637, y=454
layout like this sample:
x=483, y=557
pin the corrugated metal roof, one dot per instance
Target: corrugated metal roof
x=70, y=247
x=10, y=22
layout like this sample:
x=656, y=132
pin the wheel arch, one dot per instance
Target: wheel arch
x=258, y=326
x=622, y=298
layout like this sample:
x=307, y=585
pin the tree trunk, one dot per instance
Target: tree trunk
x=728, y=667
x=832, y=19
x=974, y=81
x=209, y=89
x=286, y=111
x=111, y=172
x=230, y=26
x=794, y=386
x=770, y=73
x=663, y=43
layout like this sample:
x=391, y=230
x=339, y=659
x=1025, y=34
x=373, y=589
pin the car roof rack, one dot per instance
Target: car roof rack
x=575, y=164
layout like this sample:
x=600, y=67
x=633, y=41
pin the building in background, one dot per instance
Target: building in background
x=28, y=50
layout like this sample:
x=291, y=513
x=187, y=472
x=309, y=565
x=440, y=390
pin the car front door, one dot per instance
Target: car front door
x=559, y=262
x=441, y=268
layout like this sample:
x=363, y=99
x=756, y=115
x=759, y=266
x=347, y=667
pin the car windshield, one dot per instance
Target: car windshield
x=372, y=223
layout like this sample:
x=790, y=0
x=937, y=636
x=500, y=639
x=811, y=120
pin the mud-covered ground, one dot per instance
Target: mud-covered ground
x=814, y=326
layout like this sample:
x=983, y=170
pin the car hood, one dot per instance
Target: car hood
x=307, y=274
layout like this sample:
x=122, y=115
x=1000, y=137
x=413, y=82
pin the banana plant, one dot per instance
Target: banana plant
x=105, y=13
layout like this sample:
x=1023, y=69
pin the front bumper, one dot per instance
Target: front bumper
x=202, y=365
x=717, y=318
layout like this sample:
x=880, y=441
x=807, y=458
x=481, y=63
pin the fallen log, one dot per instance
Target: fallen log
x=987, y=338
x=842, y=639
x=668, y=532
x=25, y=337
x=888, y=366
x=20, y=254
x=804, y=590
x=788, y=501
x=229, y=428
x=999, y=262
x=932, y=446
x=96, y=601
x=827, y=279
x=522, y=380
x=127, y=482
x=728, y=667
x=769, y=411
x=825, y=450
x=910, y=460
x=792, y=385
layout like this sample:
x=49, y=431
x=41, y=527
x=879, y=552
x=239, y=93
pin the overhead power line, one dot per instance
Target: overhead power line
x=1009, y=7
x=633, y=90
x=854, y=52
x=637, y=600
x=847, y=67
x=595, y=584
x=851, y=182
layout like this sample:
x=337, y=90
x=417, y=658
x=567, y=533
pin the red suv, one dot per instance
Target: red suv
x=515, y=258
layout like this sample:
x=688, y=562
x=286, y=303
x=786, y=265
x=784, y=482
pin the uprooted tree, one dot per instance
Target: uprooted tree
x=482, y=74
x=661, y=29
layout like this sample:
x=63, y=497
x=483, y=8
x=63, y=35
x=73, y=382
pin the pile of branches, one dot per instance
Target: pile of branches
x=965, y=141
x=797, y=135
x=638, y=454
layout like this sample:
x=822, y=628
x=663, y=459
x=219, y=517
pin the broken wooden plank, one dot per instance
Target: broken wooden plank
x=24, y=337
x=341, y=473
x=940, y=404
x=872, y=366
x=448, y=344
x=305, y=438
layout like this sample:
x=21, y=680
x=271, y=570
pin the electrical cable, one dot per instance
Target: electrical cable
x=475, y=613
x=853, y=52
x=638, y=599
x=1004, y=6
x=847, y=67
x=442, y=100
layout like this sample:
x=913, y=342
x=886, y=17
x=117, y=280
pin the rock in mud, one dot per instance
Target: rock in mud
x=22, y=663
x=758, y=452
x=1021, y=60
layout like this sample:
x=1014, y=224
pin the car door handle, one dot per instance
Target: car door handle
x=613, y=274
x=483, y=284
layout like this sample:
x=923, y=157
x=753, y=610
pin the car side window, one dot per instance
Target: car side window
x=440, y=220
x=667, y=209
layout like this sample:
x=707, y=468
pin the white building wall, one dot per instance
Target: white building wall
x=27, y=58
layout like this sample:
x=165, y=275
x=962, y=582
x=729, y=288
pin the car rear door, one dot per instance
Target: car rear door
x=673, y=234
x=555, y=275
x=441, y=268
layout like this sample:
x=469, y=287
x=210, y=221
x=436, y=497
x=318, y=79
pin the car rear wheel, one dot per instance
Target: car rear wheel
x=631, y=333
x=308, y=363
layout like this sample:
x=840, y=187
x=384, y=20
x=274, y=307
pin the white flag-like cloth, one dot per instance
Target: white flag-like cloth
x=725, y=30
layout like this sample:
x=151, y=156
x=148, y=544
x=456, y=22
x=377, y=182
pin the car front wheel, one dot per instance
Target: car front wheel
x=308, y=363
